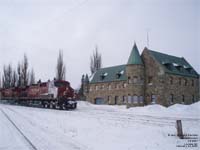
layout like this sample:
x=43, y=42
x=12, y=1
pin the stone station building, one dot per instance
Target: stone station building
x=149, y=78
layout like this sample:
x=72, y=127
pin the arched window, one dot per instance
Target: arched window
x=124, y=85
x=141, y=99
x=150, y=80
x=183, y=99
x=109, y=87
x=135, y=79
x=116, y=99
x=185, y=82
x=124, y=99
x=179, y=81
x=135, y=99
x=171, y=80
x=193, y=98
x=129, y=98
x=171, y=98
x=153, y=98
x=192, y=82
x=129, y=80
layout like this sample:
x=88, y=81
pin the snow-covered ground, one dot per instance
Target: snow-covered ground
x=93, y=127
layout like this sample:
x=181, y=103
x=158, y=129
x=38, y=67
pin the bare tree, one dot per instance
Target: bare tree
x=95, y=61
x=24, y=71
x=14, y=79
x=60, y=68
x=7, y=76
x=19, y=83
x=32, y=77
x=0, y=81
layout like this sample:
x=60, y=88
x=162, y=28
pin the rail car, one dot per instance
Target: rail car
x=52, y=94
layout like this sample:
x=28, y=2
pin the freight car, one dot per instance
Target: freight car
x=52, y=94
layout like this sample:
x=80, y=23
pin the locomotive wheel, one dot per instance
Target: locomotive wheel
x=61, y=107
x=52, y=106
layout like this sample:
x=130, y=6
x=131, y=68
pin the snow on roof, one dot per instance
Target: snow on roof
x=122, y=72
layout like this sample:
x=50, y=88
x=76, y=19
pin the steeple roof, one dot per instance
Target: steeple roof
x=134, y=57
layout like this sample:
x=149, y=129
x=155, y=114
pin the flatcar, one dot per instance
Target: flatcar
x=52, y=94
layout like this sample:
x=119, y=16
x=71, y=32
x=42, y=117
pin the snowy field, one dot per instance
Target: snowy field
x=92, y=127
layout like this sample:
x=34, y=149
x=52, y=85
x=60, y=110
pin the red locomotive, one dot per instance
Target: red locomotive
x=51, y=94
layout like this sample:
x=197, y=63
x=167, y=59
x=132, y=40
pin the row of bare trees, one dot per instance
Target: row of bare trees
x=20, y=76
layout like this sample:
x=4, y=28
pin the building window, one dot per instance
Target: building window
x=135, y=99
x=102, y=87
x=183, y=99
x=171, y=80
x=129, y=80
x=153, y=99
x=150, y=79
x=116, y=86
x=96, y=87
x=193, y=98
x=116, y=99
x=124, y=85
x=192, y=82
x=124, y=99
x=90, y=88
x=129, y=99
x=141, y=99
x=108, y=99
x=109, y=87
x=179, y=81
x=171, y=98
x=135, y=79
x=185, y=82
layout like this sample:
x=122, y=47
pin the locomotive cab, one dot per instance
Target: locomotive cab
x=65, y=95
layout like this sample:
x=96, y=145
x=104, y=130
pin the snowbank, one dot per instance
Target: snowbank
x=176, y=110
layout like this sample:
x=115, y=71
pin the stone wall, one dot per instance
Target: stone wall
x=108, y=91
x=130, y=92
x=166, y=87
x=154, y=80
x=179, y=89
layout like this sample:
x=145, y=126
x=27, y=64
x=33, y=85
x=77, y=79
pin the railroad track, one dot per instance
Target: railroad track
x=43, y=130
x=31, y=145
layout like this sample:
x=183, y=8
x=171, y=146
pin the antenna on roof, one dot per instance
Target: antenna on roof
x=148, y=37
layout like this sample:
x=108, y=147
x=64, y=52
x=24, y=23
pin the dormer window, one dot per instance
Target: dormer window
x=167, y=65
x=119, y=74
x=180, y=68
x=189, y=69
x=103, y=75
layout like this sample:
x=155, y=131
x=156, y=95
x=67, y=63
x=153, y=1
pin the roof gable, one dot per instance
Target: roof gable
x=115, y=73
x=173, y=64
x=134, y=57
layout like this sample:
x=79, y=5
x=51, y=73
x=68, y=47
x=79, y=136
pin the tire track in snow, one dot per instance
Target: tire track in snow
x=31, y=145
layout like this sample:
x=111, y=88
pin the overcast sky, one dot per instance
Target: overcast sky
x=40, y=28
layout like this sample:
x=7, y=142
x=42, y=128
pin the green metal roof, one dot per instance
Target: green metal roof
x=134, y=57
x=174, y=65
x=115, y=73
